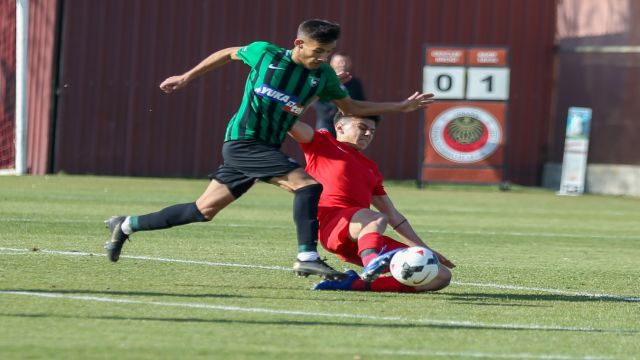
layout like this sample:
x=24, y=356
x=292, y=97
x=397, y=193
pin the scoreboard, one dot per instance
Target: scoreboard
x=464, y=131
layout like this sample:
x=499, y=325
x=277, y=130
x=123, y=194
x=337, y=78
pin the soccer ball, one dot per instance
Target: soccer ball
x=414, y=266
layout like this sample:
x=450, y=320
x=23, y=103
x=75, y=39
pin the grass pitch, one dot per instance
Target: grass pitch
x=539, y=277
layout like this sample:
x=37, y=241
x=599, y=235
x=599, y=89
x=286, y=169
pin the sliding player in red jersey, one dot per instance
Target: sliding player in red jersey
x=348, y=227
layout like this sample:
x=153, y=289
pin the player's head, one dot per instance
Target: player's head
x=315, y=41
x=355, y=131
x=340, y=62
x=321, y=31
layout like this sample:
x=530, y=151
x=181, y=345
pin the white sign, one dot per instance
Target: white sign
x=576, y=146
x=445, y=82
x=488, y=83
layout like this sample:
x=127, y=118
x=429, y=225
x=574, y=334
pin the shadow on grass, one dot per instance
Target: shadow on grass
x=500, y=304
x=481, y=298
x=301, y=318
x=125, y=293
x=354, y=324
x=182, y=295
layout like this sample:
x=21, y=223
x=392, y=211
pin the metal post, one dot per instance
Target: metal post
x=22, y=64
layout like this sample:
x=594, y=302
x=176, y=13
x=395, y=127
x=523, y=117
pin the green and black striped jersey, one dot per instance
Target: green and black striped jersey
x=277, y=92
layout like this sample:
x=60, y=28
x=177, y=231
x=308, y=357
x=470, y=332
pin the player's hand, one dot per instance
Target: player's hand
x=444, y=261
x=173, y=83
x=344, y=77
x=417, y=101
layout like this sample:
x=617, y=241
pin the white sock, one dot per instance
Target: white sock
x=126, y=226
x=308, y=255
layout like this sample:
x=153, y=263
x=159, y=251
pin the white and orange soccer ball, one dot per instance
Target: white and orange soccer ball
x=414, y=266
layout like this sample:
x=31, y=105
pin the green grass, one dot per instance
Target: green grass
x=523, y=257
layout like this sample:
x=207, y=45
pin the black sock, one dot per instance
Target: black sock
x=175, y=215
x=305, y=215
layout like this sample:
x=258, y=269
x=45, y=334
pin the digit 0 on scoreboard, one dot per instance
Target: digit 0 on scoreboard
x=444, y=73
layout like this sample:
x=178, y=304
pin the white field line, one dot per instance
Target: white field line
x=149, y=258
x=463, y=232
x=538, y=235
x=481, y=355
x=551, y=291
x=304, y=314
x=386, y=319
x=14, y=251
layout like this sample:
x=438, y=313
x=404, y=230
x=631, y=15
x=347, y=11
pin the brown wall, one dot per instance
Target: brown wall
x=599, y=67
x=113, y=119
x=42, y=31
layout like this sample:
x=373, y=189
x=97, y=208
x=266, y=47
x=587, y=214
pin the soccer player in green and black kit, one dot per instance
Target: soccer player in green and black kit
x=279, y=87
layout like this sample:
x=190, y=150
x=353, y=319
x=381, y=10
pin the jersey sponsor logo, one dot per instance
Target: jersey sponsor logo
x=465, y=134
x=290, y=103
x=314, y=81
x=271, y=66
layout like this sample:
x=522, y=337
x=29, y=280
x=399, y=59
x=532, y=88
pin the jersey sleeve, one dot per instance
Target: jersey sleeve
x=310, y=148
x=251, y=53
x=378, y=189
x=333, y=88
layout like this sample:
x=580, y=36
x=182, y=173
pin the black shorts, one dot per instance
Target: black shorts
x=247, y=161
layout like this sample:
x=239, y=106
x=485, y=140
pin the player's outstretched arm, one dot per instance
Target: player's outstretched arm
x=342, y=76
x=213, y=61
x=401, y=225
x=301, y=132
x=363, y=108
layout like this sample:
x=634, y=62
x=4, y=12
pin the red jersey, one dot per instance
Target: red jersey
x=349, y=178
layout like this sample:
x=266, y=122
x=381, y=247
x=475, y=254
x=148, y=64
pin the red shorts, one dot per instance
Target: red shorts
x=334, y=235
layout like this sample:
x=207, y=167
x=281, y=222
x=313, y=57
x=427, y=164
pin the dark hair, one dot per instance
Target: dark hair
x=322, y=31
x=339, y=115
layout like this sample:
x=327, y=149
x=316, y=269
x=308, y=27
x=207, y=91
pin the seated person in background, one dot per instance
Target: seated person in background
x=326, y=111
